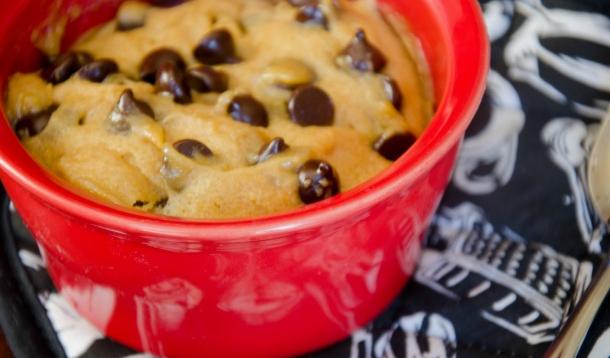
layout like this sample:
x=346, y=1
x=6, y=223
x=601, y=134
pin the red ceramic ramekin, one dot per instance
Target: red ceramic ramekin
x=273, y=286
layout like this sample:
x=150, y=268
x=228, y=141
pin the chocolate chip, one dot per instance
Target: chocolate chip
x=33, y=124
x=312, y=14
x=277, y=145
x=83, y=58
x=311, y=106
x=206, y=79
x=65, y=66
x=140, y=204
x=192, y=148
x=127, y=106
x=152, y=62
x=395, y=146
x=131, y=105
x=161, y=203
x=97, y=71
x=217, y=47
x=170, y=80
x=393, y=92
x=362, y=56
x=167, y=3
x=317, y=181
x=145, y=108
x=247, y=109
x=128, y=25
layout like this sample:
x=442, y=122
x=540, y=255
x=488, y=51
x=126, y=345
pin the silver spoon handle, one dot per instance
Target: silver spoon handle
x=569, y=341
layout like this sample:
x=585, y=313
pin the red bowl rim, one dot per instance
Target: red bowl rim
x=459, y=102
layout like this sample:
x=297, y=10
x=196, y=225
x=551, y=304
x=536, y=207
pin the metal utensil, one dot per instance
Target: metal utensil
x=571, y=337
x=599, y=170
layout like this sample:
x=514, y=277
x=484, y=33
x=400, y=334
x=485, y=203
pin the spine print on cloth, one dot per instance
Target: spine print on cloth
x=537, y=283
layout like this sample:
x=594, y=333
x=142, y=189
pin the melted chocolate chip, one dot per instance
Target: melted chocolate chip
x=65, y=66
x=317, y=181
x=140, y=204
x=170, y=80
x=97, y=71
x=248, y=110
x=145, y=108
x=192, y=148
x=277, y=145
x=312, y=14
x=83, y=58
x=393, y=92
x=128, y=25
x=130, y=105
x=33, y=124
x=395, y=146
x=167, y=3
x=126, y=106
x=161, y=203
x=311, y=106
x=217, y=47
x=152, y=62
x=206, y=79
x=362, y=56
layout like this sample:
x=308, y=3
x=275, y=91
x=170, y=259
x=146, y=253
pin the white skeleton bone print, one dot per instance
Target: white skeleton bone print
x=601, y=349
x=525, y=52
x=569, y=142
x=437, y=331
x=544, y=290
x=495, y=145
x=498, y=17
x=75, y=333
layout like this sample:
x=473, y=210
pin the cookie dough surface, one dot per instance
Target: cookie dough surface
x=145, y=167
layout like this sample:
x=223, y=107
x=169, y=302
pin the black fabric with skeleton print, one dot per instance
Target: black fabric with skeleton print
x=515, y=241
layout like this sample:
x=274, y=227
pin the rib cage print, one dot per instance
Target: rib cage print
x=527, y=287
x=531, y=56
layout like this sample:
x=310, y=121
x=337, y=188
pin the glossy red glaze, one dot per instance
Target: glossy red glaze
x=274, y=286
